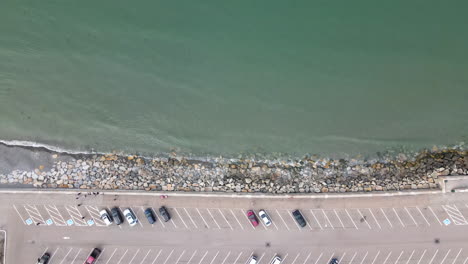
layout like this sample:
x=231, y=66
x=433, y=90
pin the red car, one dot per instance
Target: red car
x=252, y=217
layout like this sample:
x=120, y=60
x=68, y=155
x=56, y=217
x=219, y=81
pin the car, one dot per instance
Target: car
x=252, y=217
x=334, y=261
x=106, y=217
x=44, y=259
x=115, y=212
x=265, y=217
x=164, y=214
x=299, y=218
x=150, y=216
x=252, y=260
x=130, y=216
x=276, y=260
x=92, y=258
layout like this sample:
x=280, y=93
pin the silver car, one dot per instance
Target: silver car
x=265, y=217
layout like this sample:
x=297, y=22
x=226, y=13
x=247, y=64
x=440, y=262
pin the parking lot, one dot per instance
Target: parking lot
x=153, y=255
x=185, y=218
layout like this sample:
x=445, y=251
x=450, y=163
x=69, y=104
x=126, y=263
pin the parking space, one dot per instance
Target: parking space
x=163, y=255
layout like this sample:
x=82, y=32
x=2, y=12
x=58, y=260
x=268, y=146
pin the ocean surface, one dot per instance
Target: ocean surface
x=217, y=77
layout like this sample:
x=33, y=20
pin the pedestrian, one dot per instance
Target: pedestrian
x=79, y=193
x=79, y=204
x=38, y=223
x=83, y=217
x=97, y=193
x=77, y=198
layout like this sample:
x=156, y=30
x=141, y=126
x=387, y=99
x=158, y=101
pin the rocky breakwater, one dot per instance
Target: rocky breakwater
x=307, y=175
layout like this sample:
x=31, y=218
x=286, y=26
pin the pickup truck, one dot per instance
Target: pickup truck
x=93, y=256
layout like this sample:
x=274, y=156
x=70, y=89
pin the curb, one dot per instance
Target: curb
x=225, y=195
x=4, y=246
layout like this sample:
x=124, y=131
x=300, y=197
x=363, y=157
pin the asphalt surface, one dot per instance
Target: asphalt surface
x=419, y=229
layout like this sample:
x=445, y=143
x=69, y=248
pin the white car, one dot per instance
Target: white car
x=130, y=216
x=265, y=218
x=252, y=260
x=105, y=217
x=276, y=260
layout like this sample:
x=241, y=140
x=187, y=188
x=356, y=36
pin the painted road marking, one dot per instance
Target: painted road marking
x=159, y=253
x=401, y=222
x=412, y=253
x=193, y=255
x=53, y=254
x=427, y=222
x=456, y=257
x=125, y=253
x=55, y=215
x=186, y=226
x=206, y=224
x=455, y=214
x=341, y=222
x=136, y=253
x=75, y=214
x=355, y=226
x=236, y=219
x=319, y=257
x=363, y=218
x=260, y=259
x=214, y=220
x=351, y=261
x=390, y=223
x=401, y=253
x=177, y=261
x=282, y=219
x=326, y=217
x=225, y=219
x=422, y=256
x=193, y=222
x=229, y=253
x=111, y=256
x=365, y=256
x=34, y=213
x=385, y=261
x=170, y=254
x=143, y=260
x=331, y=257
x=212, y=261
x=158, y=218
x=375, y=219
x=66, y=255
x=407, y=211
x=316, y=220
x=432, y=259
x=435, y=216
x=378, y=253
x=73, y=261
x=443, y=260
x=94, y=214
x=294, y=261
x=308, y=256
x=235, y=261
x=22, y=219
x=206, y=253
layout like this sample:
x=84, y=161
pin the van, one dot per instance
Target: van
x=252, y=260
x=276, y=260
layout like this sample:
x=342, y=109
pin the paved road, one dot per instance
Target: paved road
x=419, y=229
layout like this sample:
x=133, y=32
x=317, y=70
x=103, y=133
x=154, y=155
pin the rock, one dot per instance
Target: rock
x=248, y=180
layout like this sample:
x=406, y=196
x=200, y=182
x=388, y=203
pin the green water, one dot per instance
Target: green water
x=223, y=77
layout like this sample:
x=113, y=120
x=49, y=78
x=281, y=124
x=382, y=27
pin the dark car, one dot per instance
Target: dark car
x=92, y=258
x=299, y=218
x=252, y=217
x=150, y=216
x=334, y=261
x=115, y=212
x=164, y=214
x=44, y=259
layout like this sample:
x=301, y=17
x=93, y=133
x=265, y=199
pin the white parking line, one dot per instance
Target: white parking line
x=236, y=219
x=377, y=222
x=206, y=253
x=308, y=256
x=456, y=257
x=53, y=254
x=351, y=261
x=229, y=253
x=327, y=219
x=177, y=261
x=94, y=214
x=143, y=260
x=170, y=254
x=401, y=222
x=159, y=218
x=321, y=254
x=412, y=253
x=362, y=261
x=134, y=256
x=316, y=220
x=136, y=216
x=433, y=257
x=387, y=257
x=422, y=256
x=206, y=224
x=363, y=218
x=390, y=223
x=214, y=220
x=294, y=261
x=76, y=215
x=225, y=219
x=355, y=226
x=443, y=260
x=378, y=253
x=55, y=214
x=22, y=219
x=284, y=222
x=466, y=260
x=214, y=257
x=341, y=222
x=159, y=253
x=125, y=253
x=423, y=216
x=66, y=255
x=193, y=222
x=411, y=216
x=193, y=255
x=343, y=256
x=73, y=261
x=34, y=213
x=294, y=220
x=333, y=254
x=401, y=253
x=455, y=214
x=235, y=261
x=435, y=216
x=186, y=226
x=260, y=259
x=285, y=256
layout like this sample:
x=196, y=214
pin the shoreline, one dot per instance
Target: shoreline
x=39, y=167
